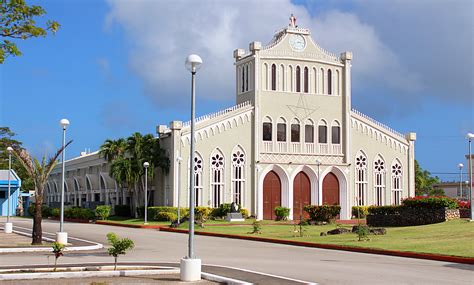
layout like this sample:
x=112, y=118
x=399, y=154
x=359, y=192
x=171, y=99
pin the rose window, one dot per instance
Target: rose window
x=361, y=161
x=197, y=164
x=238, y=158
x=217, y=161
x=397, y=169
x=379, y=165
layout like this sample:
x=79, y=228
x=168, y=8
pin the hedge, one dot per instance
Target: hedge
x=122, y=211
x=434, y=202
x=79, y=213
x=385, y=210
x=165, y=217
x=324, y=213
x=154, y=211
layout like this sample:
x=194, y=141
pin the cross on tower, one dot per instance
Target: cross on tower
x=292, y=21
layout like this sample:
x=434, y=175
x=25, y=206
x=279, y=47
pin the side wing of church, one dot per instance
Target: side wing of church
x=291, y=140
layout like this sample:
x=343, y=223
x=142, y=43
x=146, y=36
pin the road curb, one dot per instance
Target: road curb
x=429, y=256
x=94, y=245
x=84, y=274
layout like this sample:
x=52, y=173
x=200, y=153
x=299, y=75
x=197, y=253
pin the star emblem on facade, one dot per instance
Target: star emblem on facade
x=302, y=109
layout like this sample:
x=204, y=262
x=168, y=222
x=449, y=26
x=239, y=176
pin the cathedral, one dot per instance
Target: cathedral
x=292, y=139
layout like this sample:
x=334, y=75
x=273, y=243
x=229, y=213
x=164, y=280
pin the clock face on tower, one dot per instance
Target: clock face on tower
x=297, y=42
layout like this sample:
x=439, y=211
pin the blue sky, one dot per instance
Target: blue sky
x=116, y=67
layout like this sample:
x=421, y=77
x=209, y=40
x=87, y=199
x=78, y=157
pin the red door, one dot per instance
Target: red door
x=330, y=190
x=271, y=195
x=301, y=195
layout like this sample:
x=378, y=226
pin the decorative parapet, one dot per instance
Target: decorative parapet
x=373, y=121
x=219, y=113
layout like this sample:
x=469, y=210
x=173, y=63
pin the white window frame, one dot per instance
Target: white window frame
x=379, y=181
x=217, y=184
x=238, y=176
x=361, y=182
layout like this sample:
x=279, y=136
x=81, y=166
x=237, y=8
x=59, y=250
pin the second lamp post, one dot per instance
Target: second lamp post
x=61, y=236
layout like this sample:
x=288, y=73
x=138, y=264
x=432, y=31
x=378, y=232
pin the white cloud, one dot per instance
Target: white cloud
x=161, y=34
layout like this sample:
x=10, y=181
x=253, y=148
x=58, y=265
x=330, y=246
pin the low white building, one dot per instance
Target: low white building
x=292, y=139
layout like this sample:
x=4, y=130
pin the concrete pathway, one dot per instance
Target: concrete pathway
x=308, y=264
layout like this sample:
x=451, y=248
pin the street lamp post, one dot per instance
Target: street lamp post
x=190, y=267
x=318, y=163
x=8, y=225
x=460, y=166
x=61, y=236
x=179, y=159
x=146, y=165
x=470, y=136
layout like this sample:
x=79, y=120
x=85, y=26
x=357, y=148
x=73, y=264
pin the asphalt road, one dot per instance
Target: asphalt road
x=309, y=264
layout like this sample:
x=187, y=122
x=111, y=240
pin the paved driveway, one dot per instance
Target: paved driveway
x=311, y=264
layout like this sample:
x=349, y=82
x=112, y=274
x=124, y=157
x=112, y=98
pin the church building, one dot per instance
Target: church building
x=291, y=140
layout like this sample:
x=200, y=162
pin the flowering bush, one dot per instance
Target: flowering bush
x=324, y=213
x=464, y=204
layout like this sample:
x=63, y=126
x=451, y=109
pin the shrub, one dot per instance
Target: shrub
x=256, y=227
x=118, y=246
x=244, y=212
x=282, y=213
x=55, y=212
x=385, y=210
x=360, y=211
x=166, y=217
x=324, y=213
x=202, y=213
x=122, y=211
x=222, y=210
x=79, y=213
x=58, y=252
x=45, y=210
x=103, y=212
x=430, y=202
x=464, y=204
x=154, y=211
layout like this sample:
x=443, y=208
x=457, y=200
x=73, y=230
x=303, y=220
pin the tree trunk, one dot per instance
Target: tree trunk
x=115, y=264
x=37, y=235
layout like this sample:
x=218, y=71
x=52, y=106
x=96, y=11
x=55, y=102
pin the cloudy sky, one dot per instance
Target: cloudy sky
x=117, y=67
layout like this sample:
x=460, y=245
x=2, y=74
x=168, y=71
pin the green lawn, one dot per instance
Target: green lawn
x=449, y=238
x=133, y=221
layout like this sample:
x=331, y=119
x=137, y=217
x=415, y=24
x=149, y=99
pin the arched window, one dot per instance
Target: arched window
x=295, y=131
x=396, y=183
x=306, y=80
x=281, y=130
x=314, y=81
x=337, y=83
x=336, y=133
x=309, y=132
x=246, y=77
x=361, y=179
x=379, y=180
x=281, y=80
x=323, y=132
x=291, y=80
x=198, y=167
x=243, y=79
x=265, y=77
x=217, y=179
x=298, y=79
x=274, y=71
x=267, y=129
x=238, y=175
x=329, y=81
x=321, y=81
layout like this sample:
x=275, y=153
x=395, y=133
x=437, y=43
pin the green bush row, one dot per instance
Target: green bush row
x=430, y=202
x=45, y=210
x=385, y=210
x=79, y=213
x=324, y=213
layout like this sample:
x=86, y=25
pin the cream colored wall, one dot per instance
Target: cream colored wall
x=239, y=134
x=365, y=140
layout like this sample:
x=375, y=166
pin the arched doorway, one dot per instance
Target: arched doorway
x=331, y=190
x=271, y=195
x=301, y=195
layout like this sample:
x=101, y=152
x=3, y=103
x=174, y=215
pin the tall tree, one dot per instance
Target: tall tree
x=17, y=22
x=39, y=173
x=6, y=140
x=424, y=182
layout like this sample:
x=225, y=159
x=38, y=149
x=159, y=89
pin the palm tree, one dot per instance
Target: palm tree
x=113, y=148
x=127, y=157
x=39, y=173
